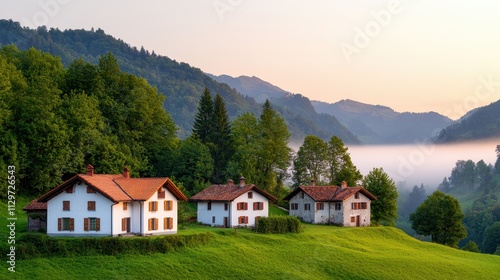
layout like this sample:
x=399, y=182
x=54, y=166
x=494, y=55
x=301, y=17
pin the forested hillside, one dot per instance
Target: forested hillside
x=483, y=123
x=181, y=83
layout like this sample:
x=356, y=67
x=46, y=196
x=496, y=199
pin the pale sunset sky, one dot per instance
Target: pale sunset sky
x=415, y=56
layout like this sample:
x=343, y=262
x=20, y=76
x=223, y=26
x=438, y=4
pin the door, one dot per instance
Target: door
x=226, y=222
x=127, y=225
x=358, y=218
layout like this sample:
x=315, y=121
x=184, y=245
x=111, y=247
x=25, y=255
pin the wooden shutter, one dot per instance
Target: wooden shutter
x=86, y=224
x=165, y=226
x=255, y=206
x=245, y=206
x=59, y=224
x=66, y=205
x=71, y=224
x=261, y=205
x=150, y=206
x=98, y=224
x=167, y=205
x=171, y=223
x=246, y=219
x=124, y=224
x=69, y=190
x=91, y=205
x=125, y=205
x=150, y=224
x=156, y=224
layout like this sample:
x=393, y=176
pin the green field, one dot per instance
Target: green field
x=320, y=252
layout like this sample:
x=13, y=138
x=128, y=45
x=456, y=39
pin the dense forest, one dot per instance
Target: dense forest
x=181, y=83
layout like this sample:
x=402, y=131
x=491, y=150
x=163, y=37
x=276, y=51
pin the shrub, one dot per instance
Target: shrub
x=279, y=224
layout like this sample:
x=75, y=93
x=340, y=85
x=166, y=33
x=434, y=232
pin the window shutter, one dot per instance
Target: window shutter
x=165, y=206
x=246, y=219
x=71, y=224
x=246, y=205
x=165, y=226
x=150, y=224
x=156, y=224
x=125, y=205
x=59, y=224
x=69, y=190
x=150, y=206
x=261, y=206
x=66, y=205
x=124, y=224
x=98, y=224
x=171, y=223
x=255, y=206
x=86, y=224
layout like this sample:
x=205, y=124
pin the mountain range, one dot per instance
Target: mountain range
x=354, y=122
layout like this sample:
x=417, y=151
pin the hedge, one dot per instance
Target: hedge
x=278, y=224
x=35, y=245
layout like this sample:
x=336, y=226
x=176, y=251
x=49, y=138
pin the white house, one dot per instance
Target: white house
x=232, y=205
x=111, y=205
x=345, y=206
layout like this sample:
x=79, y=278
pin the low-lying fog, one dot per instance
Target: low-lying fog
x=424, y=162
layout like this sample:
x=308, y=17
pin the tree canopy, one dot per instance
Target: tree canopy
x=385, y=208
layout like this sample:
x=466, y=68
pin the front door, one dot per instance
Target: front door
x=226, y=222
x=358, y=218
x=127, y=224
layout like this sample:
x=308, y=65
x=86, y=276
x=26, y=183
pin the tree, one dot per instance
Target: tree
x=340, y=166
x=202, y=126
x=492, y=238
x=484, y=175
x=385, y=208
x=440, y=217
x=415, y=198
x=310, y=161
x=471, y=246
x=463, y=174
x=273, y=154
x=221, y=137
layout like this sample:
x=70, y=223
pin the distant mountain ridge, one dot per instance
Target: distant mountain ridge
x=372, y=124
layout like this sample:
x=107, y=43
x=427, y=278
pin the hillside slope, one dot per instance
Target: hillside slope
x=376, y=124
x=481, y=123
x=320, y=252
x=181, y=83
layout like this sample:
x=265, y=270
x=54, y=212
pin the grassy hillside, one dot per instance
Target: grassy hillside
x=320, y=252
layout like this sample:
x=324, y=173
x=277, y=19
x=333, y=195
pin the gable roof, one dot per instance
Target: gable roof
x=35, y=205
x=228, y=193
x=117, y=188
x=330, y=193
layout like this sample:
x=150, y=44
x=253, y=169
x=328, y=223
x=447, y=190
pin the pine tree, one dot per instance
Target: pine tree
x=202, y=126
x=221, y=137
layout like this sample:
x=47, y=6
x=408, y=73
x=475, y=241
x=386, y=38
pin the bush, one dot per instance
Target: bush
x=279, y=224
x=34, y=245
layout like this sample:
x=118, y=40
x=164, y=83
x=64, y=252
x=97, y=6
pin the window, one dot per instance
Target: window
x=353, y=219
x=258, y=206
x=65, y=224
x=338, y=206
x=226, y=206
x=153, y=206
x=161, y=193
x=242, y=206
x=250, y=194
x=90, y=190
x=69, y=190
x=91, y=224
x=209, y=206
x=152, y=224
x=168, y=223
x=168, y=205
x=243, y=220
x=91, y=205
x=307, y=206
x=66, y=205
x=125, y=205
x=320, y=206
x=294, y=206
x=356, y=195
x=359, y=205
x=301, y=194
x=213, y=219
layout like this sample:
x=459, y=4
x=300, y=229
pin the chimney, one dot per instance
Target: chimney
x=242, y=181
x=90, y=170
x=230, y=182
x=126, y=172
x=313, y=182
x=344, y=185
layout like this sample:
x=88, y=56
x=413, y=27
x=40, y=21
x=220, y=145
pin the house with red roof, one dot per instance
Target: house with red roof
x=110, y=205
x=345, y=206
x=232, y=205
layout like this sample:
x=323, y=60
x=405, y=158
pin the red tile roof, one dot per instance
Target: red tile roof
x=329, y=193
x=35, y=205
x=116, y=187
x=227, y=193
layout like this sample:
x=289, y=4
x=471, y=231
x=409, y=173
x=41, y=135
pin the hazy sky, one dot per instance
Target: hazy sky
x=414, y=56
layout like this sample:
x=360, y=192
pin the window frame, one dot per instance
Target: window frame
x=66, y=205
x=91, y=205
x=320, y=206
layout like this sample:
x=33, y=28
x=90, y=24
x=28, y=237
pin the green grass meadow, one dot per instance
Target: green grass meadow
x=319, y=252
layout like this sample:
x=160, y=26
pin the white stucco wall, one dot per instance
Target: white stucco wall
x=78, y=211
x=250, y=213
x=159, y=214
x=217, y=210
x=363, y=213
x=306, y=215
